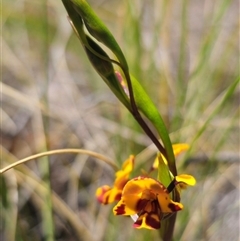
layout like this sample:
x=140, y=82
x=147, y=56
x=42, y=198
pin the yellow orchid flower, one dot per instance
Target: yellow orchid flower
x=148, y=201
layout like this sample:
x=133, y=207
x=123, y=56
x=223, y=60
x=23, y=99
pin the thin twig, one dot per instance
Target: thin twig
x=61, y=151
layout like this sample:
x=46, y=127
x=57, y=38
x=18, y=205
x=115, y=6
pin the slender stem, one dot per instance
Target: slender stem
x=61, y=151
x=167, y=228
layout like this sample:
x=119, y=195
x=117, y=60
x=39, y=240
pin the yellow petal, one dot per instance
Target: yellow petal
x=167, y=205
x=156, y=162
x=122, y=176
x=114, y=195
x=179, y=148
x=186, y=179
x=106, y=194
x=139, y=184
x=127, y=167
x=122, y=209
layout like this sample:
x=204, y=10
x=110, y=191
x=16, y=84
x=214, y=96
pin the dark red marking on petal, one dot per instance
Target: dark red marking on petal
x=120, y=210
x=141, y=204
x=174, y=207
x=152, y=222
x=152, y=214
x=118, y=197
x=106, y=201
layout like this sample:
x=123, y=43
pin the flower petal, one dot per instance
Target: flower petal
x=149, y=221
x=177, y=150
x=127, y=166
x=106, y=195
x=122, y=209
x=186, y=179
x=122, y=176
x=150, y=216
x=167, y=205
x=156, y=163
x=102, y=194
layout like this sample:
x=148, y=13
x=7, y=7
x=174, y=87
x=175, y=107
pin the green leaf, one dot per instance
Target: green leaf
x=164, y=175
x=145, y=104
x=98, y=30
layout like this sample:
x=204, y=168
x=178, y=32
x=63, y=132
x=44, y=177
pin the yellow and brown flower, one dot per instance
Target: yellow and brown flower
x=149, y=200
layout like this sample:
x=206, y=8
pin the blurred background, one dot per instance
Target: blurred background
x=185, y=54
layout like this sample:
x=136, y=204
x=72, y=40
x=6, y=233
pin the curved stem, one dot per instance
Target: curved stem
x=61, y=151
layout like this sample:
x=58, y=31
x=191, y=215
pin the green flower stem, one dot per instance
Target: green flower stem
x=167, y=228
